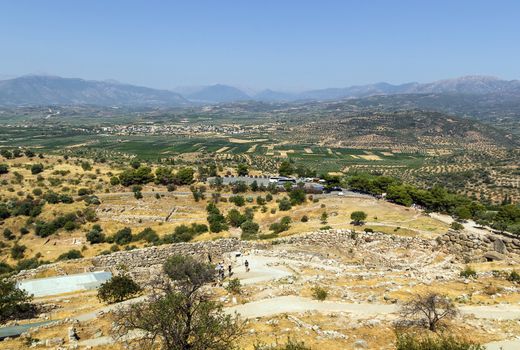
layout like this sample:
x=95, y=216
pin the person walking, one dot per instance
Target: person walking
x=230, y=272
x=247, y=265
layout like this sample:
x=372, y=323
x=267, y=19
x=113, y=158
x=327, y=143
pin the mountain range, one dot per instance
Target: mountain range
x=52, y=90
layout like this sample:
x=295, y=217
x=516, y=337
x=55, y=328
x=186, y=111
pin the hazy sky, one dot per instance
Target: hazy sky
x=279, y=44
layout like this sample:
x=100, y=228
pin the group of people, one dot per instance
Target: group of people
x=221, y=271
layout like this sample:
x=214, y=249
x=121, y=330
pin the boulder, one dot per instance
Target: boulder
x=360, y=344
x=499, y=246
x=494, y=256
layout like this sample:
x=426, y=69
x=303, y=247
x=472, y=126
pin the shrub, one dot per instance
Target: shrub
x=297, y=196
x=368, y=230
x=36, y=168
x=290, y=345
x=457, y=226
x=18, y=251
x=184, y=176
x=284, y=205
x=118, y=289
x=123, y=236
x=5, y=268
x=468, y=272
x=249, y=229
x=70, y=255
x=319, y=293
x=114, y=181
x=235, y=218
x=4, y=169
x=148, y=235
x=234, y=286
x=439, y=342
x=8, y=234
x=281, y=226
x=514, y=277
x=69, y=226
x=239, y=201
x=83, y=191
x=95, y=236
x=304, y=218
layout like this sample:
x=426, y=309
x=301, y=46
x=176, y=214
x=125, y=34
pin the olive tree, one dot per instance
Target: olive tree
x=14, y=302
x=179, y=314
x=358, y=217
x=429, y=309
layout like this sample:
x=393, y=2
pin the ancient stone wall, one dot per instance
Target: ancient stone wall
x=475, y=246
x=144, y=264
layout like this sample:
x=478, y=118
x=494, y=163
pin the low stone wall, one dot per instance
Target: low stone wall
x=140, y=263
x=157, y=255
x=475, y=246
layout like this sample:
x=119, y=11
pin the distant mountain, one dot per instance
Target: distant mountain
x=218, y=93
x=464, y=85
x=271, y=95
x=46, y=90
x=51, y=90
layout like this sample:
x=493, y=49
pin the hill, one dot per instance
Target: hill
x=51, y=90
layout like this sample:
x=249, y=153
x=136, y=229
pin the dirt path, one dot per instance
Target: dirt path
x=289, y=304
x=513, y=344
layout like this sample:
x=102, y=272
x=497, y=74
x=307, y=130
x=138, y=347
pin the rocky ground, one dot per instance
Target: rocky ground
x=367, y=277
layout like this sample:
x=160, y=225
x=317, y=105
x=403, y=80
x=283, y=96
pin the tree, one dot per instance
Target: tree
x=4, y=169
x=179, y=316
x=18, y=251
x=239, y=201
x=123, y=236
x=463, y=213
x=235, y=218
x=286, y=168
x=8, y=234
x=95, y=236
x=358, y=217
x=184, y=176
x=86, y=166
x=281, y=226
x=14, y=303
x=242, y=169
x=114, y=181
x=249, y=229
x=135, y=164
x=429, y=310
x=36, y=168
x=118, y=289
x=149, y=235
x=297, y=196
x=284, y=205
x=164, y=176
x=139, y=176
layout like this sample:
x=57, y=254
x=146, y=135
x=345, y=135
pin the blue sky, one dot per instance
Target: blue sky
x=260, y=44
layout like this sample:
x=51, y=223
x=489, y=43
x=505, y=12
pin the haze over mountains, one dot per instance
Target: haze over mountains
x=51, y=90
